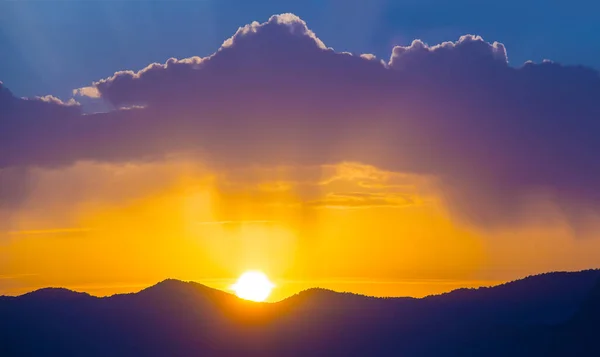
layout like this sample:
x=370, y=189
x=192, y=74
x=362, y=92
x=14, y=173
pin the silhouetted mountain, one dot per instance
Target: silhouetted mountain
x=54, y=294
x=579, y=335
x=546, y=315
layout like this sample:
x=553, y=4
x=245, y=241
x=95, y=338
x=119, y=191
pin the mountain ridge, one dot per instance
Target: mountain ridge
x=175, y=318
x=315, y=290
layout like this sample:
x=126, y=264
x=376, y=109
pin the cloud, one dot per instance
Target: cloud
x=34, y=125
x=274, y=94
x=355, y=200
x=356, y=171
x=467, y=52
x=13, y=108
x=15, y=276
x=52, y=231
x=57, y=101
x=233, y=223
x=90, y=92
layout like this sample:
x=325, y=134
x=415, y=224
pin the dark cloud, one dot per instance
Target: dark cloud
x=275, y=94
x=33, y=125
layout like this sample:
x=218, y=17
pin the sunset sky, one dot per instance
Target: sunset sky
x=375, y=147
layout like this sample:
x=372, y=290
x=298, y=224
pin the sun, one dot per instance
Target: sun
x=253, y=285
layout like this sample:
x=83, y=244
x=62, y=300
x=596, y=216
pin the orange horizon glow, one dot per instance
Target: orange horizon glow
x=286, y=288
x=345, y=227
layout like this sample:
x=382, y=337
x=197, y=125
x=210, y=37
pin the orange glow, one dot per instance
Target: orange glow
x=349, y=227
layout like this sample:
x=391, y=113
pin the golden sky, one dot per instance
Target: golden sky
x=110, y=228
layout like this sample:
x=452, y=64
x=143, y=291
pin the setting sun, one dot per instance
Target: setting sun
x=253, y=285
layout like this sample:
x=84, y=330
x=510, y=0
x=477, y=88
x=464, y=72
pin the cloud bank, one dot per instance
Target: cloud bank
x=274, y=94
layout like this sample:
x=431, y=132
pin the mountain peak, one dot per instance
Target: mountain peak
x=55, y=294
x=170, y=285
x=169, y=288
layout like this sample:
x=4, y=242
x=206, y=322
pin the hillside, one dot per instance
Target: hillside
x=527, y=317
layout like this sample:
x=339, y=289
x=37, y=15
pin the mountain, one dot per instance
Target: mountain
x=579, y=335
x=541, y=315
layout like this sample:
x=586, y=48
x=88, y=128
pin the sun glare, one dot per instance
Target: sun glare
x=253, y=285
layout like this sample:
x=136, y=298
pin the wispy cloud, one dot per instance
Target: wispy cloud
x=364, y=200
x=317, y=282
x=242, y=222
x=49, y=231
x=15, y=276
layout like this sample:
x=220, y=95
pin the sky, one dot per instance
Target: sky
x=390, y=148
x=51, y=47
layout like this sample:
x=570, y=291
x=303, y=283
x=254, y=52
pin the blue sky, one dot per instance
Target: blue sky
x=51, y=47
